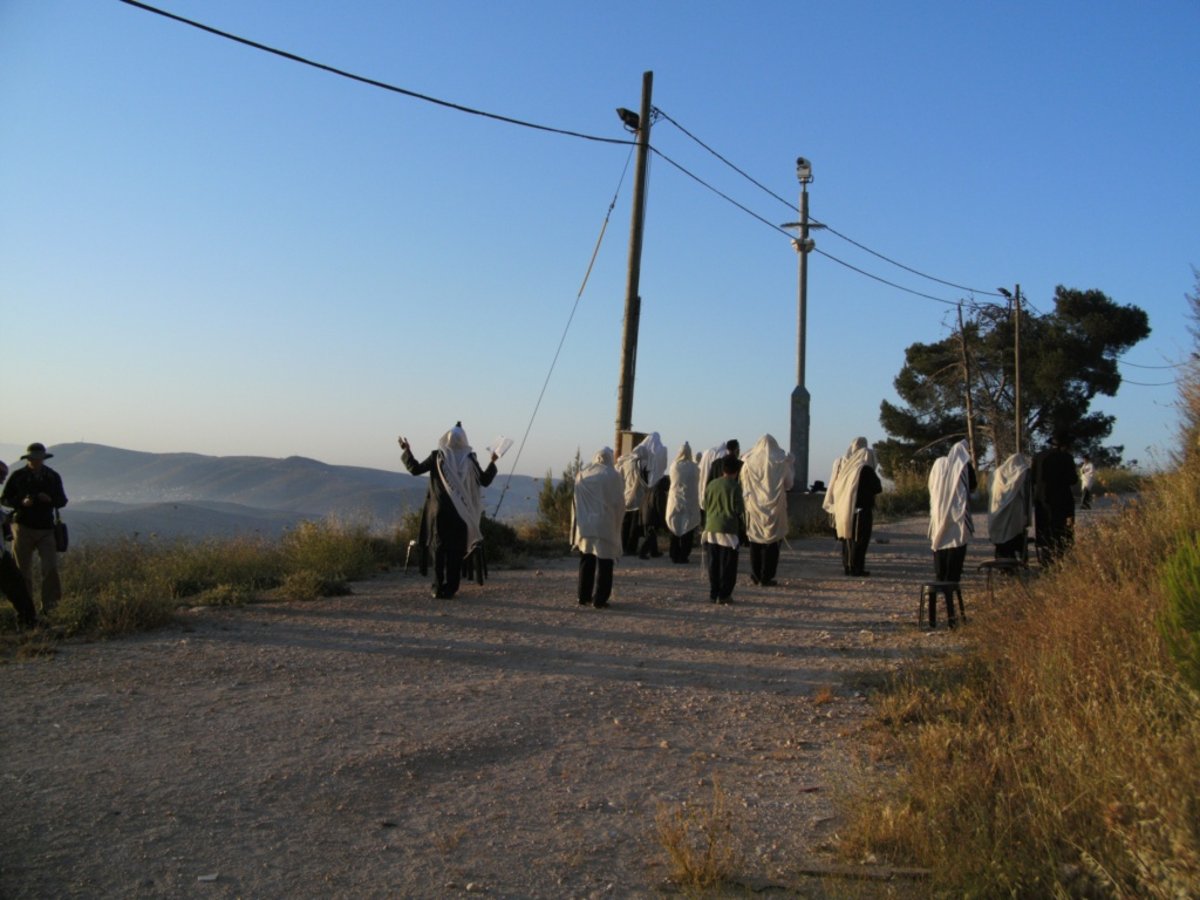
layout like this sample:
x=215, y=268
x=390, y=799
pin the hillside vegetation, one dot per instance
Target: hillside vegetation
x=1061, y=755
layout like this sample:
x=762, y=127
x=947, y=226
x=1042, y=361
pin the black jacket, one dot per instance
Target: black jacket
x=30, y=482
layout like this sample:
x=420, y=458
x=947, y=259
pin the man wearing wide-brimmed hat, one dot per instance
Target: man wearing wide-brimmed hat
x=34, y=493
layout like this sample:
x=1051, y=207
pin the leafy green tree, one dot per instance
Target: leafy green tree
x=555, y=499
x=1068, y=356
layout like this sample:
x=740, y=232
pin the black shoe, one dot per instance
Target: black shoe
x=725, y=601
x=583, y=602
x=770, y=582
x=863, y=574
x=600, y=604
x=754, y=579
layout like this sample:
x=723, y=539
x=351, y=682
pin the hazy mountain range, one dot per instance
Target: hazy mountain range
x=116, y=492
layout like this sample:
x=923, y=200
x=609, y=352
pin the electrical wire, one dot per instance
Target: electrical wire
x=1137, y=366
x=383, y=85
x=579, y=296
x=784, y=232
x=830, y=228
x=1149, y=383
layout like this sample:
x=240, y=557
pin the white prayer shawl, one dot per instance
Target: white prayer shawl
x=950, y=522
x=460, y=477
x=683, y=499
x=1008, y=509
x=630, y=471
x=1087, y=476
x=598, y=508
x=707, y=458
x=767, y=475
x=844, y=485
x=827, y=503
x=652, y=453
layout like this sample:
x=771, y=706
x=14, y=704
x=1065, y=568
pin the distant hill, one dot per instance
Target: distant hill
x=123, y=492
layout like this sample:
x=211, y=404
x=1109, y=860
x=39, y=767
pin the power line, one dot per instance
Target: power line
x=1149, y=383
x=362, y=79
x=828, y=227
x=783, y=231
x=1137, y=366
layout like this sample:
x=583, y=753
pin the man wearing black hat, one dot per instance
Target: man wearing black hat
x=34, y=493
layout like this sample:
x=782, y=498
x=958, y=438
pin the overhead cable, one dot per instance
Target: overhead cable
x=825, y=225
x=784, y=232
x=370, y=81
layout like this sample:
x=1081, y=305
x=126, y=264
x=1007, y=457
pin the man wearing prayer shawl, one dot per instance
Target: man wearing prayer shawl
x=596, y=513
x=628, y=466
x=1010, y=507
x=850, y=497
x=453, y=506
x=951, y=481
x=652, y=467
x=766, y=477
x=711, y=466
x=683, y=504
x=724, y=525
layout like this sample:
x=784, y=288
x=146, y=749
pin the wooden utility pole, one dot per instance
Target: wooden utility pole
x=1017, y=364
x=966, y=363
x=633, y=301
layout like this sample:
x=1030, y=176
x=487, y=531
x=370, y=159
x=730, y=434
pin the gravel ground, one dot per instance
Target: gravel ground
x=508, y=742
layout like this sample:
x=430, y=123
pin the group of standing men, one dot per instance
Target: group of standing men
x=620, y=505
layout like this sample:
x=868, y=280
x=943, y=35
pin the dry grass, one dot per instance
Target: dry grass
x=702, y=851
x=1062, y=755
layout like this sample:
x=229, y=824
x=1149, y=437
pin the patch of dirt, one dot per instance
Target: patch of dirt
x=508, y=742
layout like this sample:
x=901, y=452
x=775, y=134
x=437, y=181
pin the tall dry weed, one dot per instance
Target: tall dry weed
x=699, y=840
x=1061, y=757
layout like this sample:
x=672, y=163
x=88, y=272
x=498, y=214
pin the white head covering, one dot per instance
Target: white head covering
x=766, y=476
x=1087, y=475
x=598, y=508
x=683, y=500
x=842, y=494
x=950, y=522
x=460, y=476
x=1008, y=511
x=707, y=458
x=652, y=454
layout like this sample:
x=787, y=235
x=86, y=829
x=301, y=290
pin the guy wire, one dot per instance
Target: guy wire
x=579, y=296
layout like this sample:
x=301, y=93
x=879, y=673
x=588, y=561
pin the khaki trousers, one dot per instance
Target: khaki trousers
x=28, y=541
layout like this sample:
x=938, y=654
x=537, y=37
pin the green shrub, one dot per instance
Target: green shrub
x=305, y=584
x=1180, y=621
x=332, y=550
x=121, y=607
x=555, y=501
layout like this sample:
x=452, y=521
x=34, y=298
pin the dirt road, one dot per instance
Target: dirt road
x=507, y=743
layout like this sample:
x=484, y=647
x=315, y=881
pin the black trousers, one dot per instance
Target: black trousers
x=631, y=531
x=856, y=545
x=593, y=589
x=681, y=546
x=947, y=566
x=722, y=571
x=764, y=561
x=447, y=569
x=649, y=546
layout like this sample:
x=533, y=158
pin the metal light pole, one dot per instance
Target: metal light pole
x=800, y=396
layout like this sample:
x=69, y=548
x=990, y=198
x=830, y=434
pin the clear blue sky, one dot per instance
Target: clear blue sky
x=207, y=248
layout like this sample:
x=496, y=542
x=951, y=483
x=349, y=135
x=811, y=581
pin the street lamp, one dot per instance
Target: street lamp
x=800, y=396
